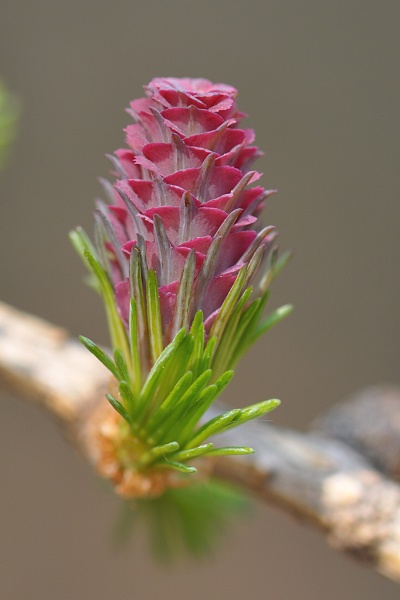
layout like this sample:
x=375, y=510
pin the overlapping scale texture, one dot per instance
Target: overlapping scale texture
x=185, y=194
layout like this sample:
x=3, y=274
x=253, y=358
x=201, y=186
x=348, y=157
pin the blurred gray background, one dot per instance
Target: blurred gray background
x=320, y=82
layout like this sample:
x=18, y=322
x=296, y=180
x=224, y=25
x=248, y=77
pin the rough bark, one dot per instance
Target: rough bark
x=336, y=477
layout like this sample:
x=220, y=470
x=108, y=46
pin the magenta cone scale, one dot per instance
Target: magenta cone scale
x=177, y=249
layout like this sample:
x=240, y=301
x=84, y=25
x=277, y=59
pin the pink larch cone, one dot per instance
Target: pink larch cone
x=183, y=190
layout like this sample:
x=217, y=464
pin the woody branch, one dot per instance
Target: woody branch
x=339, y=477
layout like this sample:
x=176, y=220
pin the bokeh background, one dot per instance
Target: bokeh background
x=320, y=81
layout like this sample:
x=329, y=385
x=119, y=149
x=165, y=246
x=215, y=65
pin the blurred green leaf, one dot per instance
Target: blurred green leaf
x=10, y=109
